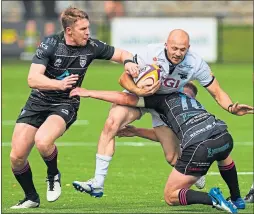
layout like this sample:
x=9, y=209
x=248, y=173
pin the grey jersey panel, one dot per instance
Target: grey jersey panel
x=186, y=117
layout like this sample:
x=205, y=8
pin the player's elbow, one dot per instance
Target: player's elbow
x=31, y=81
x=129, y=100
x=120, y=81
x=125, y=100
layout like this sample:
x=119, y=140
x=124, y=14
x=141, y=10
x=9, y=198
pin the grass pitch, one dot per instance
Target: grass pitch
x=137, y=174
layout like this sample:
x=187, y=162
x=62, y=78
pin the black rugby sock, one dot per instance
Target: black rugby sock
x=25, y=179
x=229, y=175
x=189, y=196
x=51, y=162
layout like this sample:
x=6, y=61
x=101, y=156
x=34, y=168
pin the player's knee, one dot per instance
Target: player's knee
x=169, y=194
x=41, y=143
x=17, y=160
x=173, y=160
x=168, y=198
x=112, y=125
x=170, y=158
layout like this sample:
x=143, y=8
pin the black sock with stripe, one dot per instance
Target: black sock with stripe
x=229, y=175
x=25, y=179
x=189, y=196
x=51, y=162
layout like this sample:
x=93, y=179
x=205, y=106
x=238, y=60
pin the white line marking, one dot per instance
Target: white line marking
x=91, y=144
x=76, y=123
x=127, y=143
x=239, y=173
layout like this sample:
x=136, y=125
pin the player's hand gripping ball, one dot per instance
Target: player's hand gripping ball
x=148, y=76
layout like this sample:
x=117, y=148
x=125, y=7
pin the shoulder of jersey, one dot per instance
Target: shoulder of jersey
x=53, y=39
x=193, y=58
x=94, y=42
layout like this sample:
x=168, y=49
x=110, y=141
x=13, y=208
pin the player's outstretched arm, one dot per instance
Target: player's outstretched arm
x=225, y=102
x=122, y=56
x=116, y=97
x=132, y=131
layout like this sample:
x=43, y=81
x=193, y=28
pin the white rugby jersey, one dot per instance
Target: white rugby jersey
x=173, y=77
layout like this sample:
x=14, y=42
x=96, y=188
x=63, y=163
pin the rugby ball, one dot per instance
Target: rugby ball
x=148, y=76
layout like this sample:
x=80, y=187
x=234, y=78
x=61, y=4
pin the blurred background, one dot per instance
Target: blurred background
x=221, y=32
x=24, y=23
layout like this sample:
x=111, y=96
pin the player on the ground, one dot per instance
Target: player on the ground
x=179, y=65
x=249, y=198
x=204, y=139
x=60, y=63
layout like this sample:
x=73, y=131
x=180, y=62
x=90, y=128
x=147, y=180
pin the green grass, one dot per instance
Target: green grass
x=237, y=43
x=137, y=175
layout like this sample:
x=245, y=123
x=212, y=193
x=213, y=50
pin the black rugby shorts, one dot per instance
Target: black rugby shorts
x=35, y=113
x=196, y=159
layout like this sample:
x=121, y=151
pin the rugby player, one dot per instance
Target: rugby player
x=60, y=63
x=150, y=134
x=204, y=139
x=171, y=158
x=178, y=65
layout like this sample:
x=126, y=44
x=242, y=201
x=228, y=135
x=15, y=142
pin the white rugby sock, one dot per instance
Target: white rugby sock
x=252, y=187
x=102, y=163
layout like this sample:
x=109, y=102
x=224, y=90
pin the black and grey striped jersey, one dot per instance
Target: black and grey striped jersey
x=62, y=60
x=186, y=117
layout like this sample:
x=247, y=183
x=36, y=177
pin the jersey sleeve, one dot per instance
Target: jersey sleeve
x=103, y=50
x=204, y=74
x=44, y=51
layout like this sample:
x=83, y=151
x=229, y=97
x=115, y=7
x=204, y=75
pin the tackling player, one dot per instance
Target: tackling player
x=179, y=65
x=204, y=139
x=171, y=148
x=60, y=63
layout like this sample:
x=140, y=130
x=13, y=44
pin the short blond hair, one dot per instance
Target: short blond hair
x=71, y=15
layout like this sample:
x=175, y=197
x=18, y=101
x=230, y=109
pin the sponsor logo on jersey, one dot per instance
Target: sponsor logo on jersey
x=212, y=152
x=83, y=60
x=184, y=65
x=183, y=76
x=171, y=82
x=58, y=63
x=39, y=53
x=155, y=59
x=51, y=41
x=44, y=46
x=196, y=169
x=65, y=111
x=202, y=130
x=63, y=75
x=93, y=43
